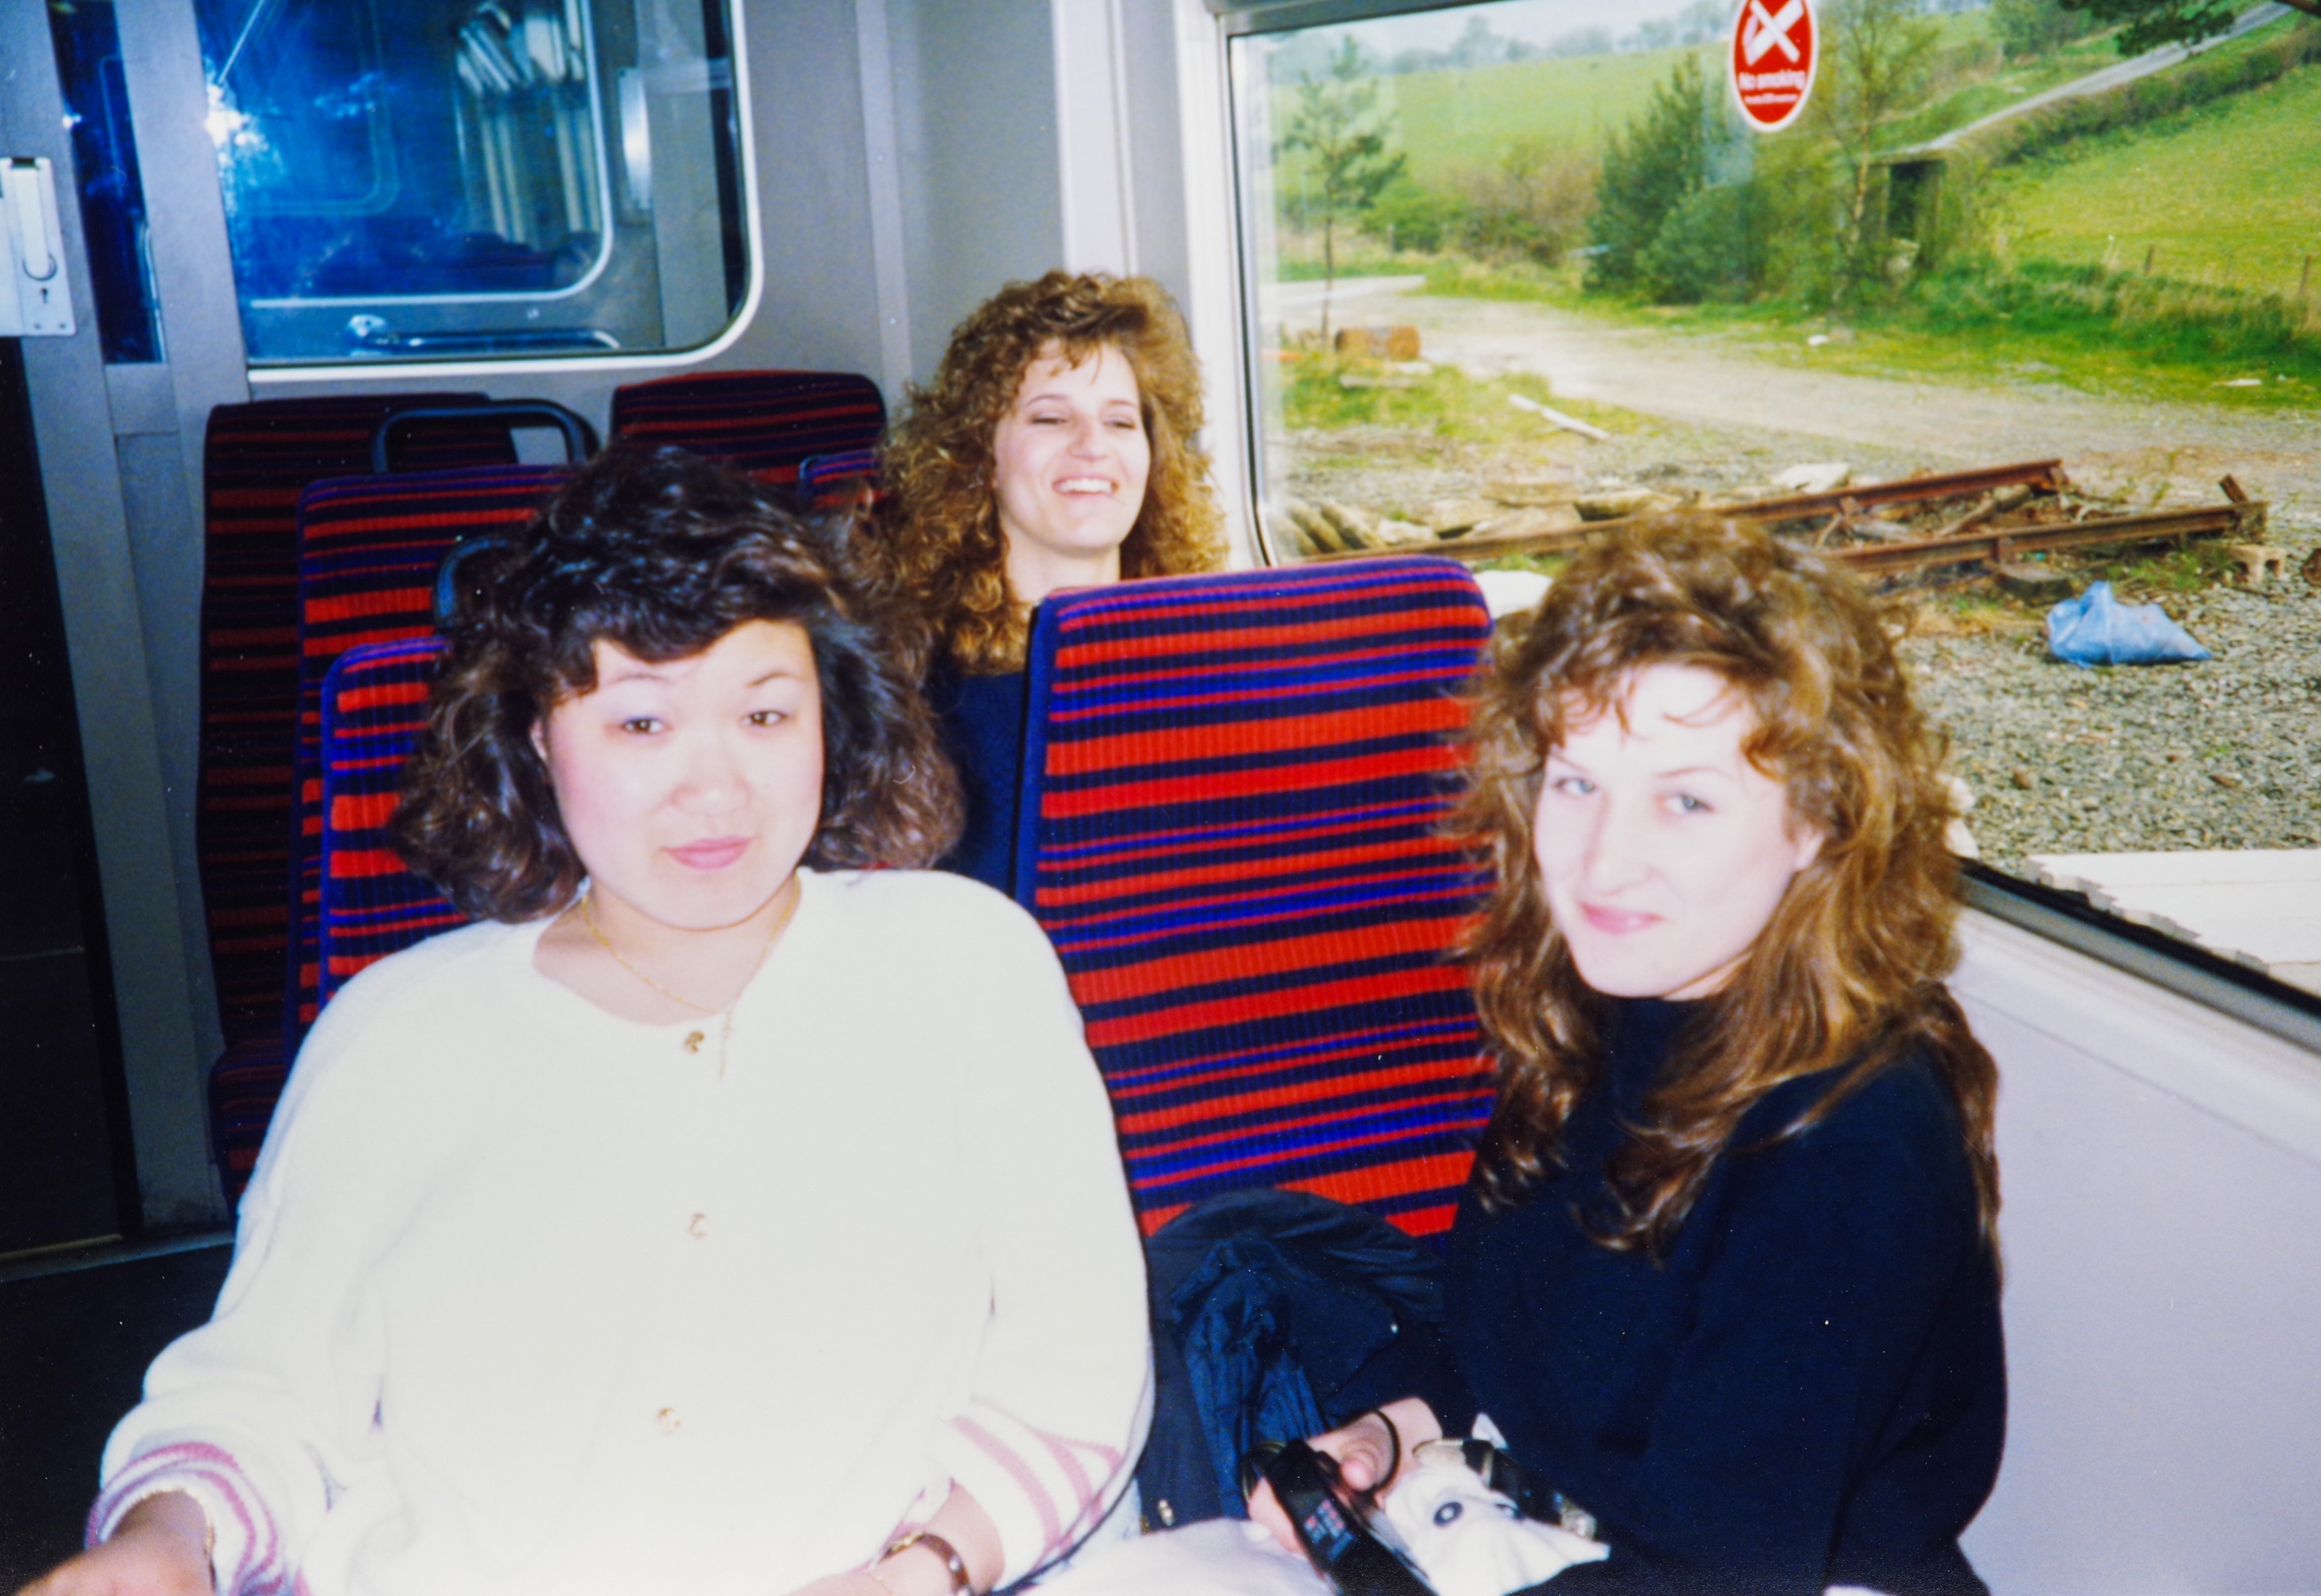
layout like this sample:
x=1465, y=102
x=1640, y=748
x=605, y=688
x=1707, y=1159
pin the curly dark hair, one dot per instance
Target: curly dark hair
x=661, y=553
x=940, y=549
x=1850, y=965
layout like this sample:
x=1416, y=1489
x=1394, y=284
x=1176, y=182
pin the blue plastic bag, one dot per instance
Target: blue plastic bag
x=2096, y=629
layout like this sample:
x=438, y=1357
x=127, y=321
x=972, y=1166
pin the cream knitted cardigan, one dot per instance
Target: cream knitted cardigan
x=526, y=1299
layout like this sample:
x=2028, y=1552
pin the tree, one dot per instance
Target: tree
x=1651, y=167
x=2152, y=22
x=1337, y=123
x=1880, y=55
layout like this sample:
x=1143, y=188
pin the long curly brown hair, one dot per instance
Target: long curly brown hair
x=1849, y=969
x=939, y=552
x=662, y=553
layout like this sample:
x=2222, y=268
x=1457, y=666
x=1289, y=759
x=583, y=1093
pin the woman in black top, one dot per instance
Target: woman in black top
x=1726, y=1274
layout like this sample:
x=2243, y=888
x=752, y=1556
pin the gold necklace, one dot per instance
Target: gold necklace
x=693, y=1039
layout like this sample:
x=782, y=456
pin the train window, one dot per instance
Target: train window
x=432, y=178
x=1995, y=301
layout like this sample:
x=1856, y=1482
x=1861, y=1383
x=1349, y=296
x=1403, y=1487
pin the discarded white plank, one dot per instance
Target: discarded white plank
x=1570, y=423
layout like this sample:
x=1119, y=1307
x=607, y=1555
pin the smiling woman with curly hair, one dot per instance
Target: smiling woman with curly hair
x=1054, y=449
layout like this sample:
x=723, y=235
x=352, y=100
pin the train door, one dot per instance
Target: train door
x=100, y=1013
x=60, y=1158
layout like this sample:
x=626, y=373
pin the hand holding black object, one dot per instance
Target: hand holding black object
x=1335, y=1526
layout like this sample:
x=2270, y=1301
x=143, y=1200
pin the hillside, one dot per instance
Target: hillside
x=1455, y=121
x=2228, y=192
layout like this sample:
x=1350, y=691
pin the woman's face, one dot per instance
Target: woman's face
x=691, y=788
x=1663, y=850
x=1068, y=465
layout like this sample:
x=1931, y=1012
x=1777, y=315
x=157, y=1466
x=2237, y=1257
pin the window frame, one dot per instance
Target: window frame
x=293, y=374
x=2184, y=968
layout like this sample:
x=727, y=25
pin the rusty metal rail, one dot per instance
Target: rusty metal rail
x=2046, y=474
x=1884, y=560
x=1903, y=491
x=1964, y=543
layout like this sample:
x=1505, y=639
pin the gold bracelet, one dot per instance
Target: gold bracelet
x=961, y=1584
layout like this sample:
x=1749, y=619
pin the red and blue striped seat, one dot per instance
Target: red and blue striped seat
x=1235, y=789
x=368, y=549
x=374, y=707
x=845, y=480
x=763, y=423
x=258, y=459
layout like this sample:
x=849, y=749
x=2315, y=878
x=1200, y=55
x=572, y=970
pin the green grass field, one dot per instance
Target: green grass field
x=2228, y=193
x=1455, y=122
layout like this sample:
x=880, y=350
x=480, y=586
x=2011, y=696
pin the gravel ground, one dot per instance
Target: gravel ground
x=2224, y=754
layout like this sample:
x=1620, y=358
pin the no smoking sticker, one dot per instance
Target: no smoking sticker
x=1775, y=46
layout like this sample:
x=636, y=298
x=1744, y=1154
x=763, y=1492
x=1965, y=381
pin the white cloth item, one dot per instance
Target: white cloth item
x=526, y=1299
x=1467, y=1538
x=1511, y=592
x=1216, y=1558
x=1470, y=1540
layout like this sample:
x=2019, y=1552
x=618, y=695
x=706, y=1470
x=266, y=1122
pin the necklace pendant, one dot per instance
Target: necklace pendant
x=693, y=1041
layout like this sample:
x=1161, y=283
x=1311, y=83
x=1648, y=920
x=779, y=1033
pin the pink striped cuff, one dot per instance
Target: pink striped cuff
x=1050, y=1488
x=247, y=1558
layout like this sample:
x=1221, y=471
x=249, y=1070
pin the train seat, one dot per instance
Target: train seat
x=763, y=423
x=373, y=708
x=368, y=548
x=846, y=479
x=1235, y=791
x=258, y=459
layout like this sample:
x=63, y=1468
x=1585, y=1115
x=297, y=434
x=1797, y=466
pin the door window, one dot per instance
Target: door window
x=477, y=177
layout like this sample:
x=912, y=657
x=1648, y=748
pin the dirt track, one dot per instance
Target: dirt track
x=2106, y=443
x=2216, y=755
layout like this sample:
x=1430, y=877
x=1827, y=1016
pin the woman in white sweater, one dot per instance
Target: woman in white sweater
x=718, y=1213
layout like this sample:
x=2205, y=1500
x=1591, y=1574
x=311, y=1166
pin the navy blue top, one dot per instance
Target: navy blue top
x=982, y=723
x=1809, y=1388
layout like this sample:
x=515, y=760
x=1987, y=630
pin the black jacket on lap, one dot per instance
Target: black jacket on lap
x=1807, y=1390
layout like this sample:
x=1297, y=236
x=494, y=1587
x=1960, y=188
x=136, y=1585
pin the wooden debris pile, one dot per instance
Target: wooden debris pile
x=1999, y=521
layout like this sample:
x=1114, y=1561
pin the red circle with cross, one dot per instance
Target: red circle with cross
x=1776, y=47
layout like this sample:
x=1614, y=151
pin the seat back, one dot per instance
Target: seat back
x=374, y=707
x=367, y=552
x=763, y=423
x=258, y=459
x=845, y=480
x=1235, y=787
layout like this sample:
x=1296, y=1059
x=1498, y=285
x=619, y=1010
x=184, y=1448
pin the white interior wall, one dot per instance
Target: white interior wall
x=975, y=113
x=2161, y=1169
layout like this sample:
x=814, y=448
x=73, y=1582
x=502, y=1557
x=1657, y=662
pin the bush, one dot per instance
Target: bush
x=1650, y=168
x=1533, y=207
x=1408, y=216
x=1709, y=248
